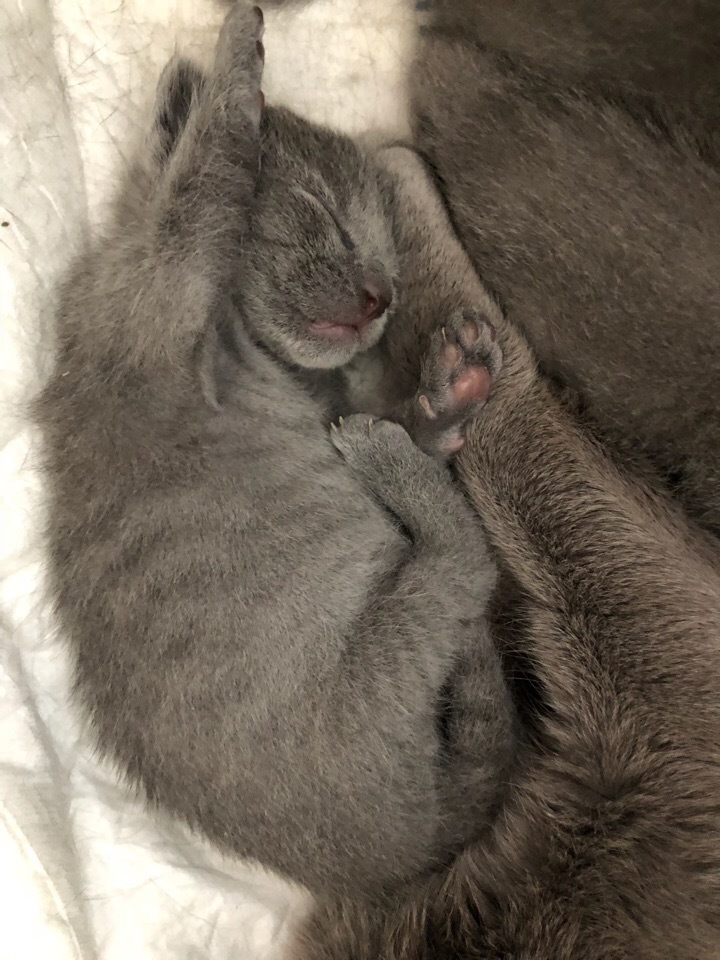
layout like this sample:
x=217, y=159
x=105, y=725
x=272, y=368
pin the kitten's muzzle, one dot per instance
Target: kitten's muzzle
x=375, y=298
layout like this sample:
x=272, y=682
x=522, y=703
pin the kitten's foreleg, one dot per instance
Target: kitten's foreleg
x=442, y=590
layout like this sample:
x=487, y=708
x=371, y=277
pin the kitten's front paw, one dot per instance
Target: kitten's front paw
x=458, y=373
x=239, y=63
x=361, y=439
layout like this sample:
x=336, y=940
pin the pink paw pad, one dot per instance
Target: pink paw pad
x=474, y=383
x=452, y=354
x=451, y=444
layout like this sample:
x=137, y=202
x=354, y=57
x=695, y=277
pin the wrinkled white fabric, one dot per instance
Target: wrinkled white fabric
x=85, y=871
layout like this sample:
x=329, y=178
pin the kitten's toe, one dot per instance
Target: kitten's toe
x=239, y=60
x=360, y=437
x=427, y=407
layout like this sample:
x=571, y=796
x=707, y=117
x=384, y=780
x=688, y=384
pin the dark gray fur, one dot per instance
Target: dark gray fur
x=659, y=60
x=608, y=845
x=261, y=647
x=576, y=142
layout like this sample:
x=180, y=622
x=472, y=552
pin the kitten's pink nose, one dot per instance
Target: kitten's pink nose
x=376, y=299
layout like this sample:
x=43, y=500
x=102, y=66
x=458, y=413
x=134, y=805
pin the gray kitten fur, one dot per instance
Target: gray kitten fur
x=589, y=209
x=259, y=645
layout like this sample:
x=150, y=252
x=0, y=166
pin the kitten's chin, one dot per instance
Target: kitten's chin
x=337, y=333
x=325, y=354
x=332, y=345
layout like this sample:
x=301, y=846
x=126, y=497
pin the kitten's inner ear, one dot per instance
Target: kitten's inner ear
x=180, y=86
x=217, y=353
x=207, y=360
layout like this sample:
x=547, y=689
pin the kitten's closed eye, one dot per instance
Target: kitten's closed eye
x=342, y=232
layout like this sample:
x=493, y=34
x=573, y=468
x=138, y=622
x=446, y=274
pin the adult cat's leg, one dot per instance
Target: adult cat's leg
x=608, y=846
x=439, y=365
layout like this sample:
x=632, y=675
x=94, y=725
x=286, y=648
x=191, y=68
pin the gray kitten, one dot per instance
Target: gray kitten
x=263, y=629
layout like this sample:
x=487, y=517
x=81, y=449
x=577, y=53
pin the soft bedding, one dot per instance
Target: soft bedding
x=85, y=871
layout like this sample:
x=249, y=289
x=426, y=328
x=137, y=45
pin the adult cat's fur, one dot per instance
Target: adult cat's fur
x=586, y=204
x=662, y=56
x=259, y=646
x=598, y=226
x=608, y=847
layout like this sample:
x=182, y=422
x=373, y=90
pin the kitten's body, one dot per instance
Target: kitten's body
x=577, y=145
x=258, y=644
x=608, y=847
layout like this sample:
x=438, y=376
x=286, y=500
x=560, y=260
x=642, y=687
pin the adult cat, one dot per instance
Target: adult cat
x=608, y=845
x=577, y=145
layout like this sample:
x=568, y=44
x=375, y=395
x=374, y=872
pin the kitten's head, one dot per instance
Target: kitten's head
x=319, y=265
x=316, y=278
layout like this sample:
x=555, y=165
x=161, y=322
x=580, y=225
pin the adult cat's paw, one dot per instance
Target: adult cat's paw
x=458, y=373
x=239, y=62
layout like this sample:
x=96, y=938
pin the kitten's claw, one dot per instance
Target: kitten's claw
x=362, y=438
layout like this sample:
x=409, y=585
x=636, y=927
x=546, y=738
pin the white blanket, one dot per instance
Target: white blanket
x=85, y=871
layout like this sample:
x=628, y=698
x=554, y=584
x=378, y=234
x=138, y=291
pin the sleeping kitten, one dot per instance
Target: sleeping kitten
x=263, y=629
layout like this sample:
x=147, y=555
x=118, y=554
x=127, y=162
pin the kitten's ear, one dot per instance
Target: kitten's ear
x=206, y=360
x=179, y=88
